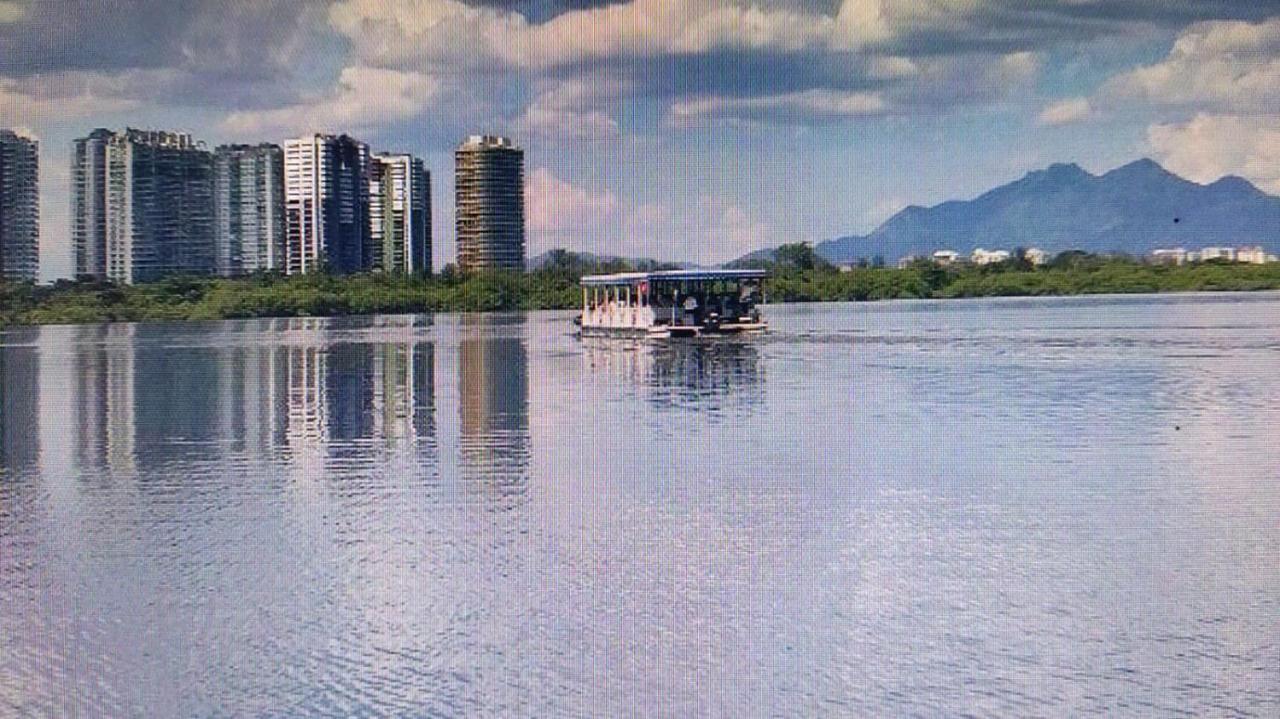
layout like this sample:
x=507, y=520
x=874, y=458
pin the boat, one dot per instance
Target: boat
x=673, y=303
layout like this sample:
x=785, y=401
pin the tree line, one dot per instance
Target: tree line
x=797, y=274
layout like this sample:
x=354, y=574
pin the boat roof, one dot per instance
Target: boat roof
x=628, y=278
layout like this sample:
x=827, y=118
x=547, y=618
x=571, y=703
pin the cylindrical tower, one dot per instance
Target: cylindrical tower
x=489, y=190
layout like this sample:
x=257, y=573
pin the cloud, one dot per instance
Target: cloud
x=363, y=97
x=253, y=38
x=10, y=12
x=554, y=206
x=1210, y=146
x=1224, y=66
x=37, y=100
x=435, y=31
x=731, y=232
x=1065, y=112
x=817, y=103
x=881, y=211
x=570, y=110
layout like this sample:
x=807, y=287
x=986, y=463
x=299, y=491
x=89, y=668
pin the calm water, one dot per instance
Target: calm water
x=1008, y=508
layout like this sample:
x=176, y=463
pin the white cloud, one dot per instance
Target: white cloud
x=893, y=67
x=806, y=103
x=11, y=12
x=570, y=111
x=1065, y=112
x=37, y=100
x=553, y=204
x=363, y=97
x=1210, y=146
x=881, y=211
x=434, y=31
x=731, y=233
x=448, y=30
x=1225, y=66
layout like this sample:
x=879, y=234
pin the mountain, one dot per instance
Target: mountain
x=1134, y=209
x=591, y=261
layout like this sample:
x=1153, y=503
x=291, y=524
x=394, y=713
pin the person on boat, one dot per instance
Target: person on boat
x=691, y=309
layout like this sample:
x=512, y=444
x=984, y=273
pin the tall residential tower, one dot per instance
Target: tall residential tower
x=142, y=205
x=248, y=208
x=489, y=185
x=89, y=204
x=400, y=214
x=19, y=207
x=326, y=193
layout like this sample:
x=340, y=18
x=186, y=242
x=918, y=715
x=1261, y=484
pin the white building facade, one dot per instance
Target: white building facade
x=400, y=214
x=326, y=194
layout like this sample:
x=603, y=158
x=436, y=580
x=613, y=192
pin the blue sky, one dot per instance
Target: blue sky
x=692, y=131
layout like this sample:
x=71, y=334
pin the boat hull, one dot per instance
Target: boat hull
x=668, y=331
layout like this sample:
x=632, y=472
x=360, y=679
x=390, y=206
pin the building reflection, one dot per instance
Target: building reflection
x=494, y=403
x=19, y=400
x=344, y=392
x=144, y=395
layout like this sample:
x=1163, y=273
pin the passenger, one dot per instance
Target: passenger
x=691, y=310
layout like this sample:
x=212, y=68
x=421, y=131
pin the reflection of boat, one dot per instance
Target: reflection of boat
x=684, y=303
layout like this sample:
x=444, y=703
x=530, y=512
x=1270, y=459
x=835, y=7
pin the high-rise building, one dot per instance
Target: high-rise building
x=489, y=186
x=400, y=214
x=159, y=206
x=248, y=208
x=19, y=207
x=89, y=204
x=326, y=192
x=142, y=205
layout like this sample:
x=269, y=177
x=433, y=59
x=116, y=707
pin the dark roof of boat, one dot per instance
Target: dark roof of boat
x=627, y=278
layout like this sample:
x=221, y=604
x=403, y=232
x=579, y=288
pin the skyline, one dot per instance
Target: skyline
x=695, y=133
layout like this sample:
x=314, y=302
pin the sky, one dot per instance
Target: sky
x=692, y=131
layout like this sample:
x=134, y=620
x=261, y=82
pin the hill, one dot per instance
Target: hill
x=1132, y=209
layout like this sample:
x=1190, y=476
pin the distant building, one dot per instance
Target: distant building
x=1252, y=255
x=400, y=214
x=326, y=194
x=19, y=207
x=249, y=208
x=988, y=257
x=907, y=261
x=1169, y=256
x=89, y=204
x=489, y=188
x=142, y=205
x=1036, y=256
x=1217, y=253
x=946, y=257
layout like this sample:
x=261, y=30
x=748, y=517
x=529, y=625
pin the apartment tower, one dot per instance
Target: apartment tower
x=400, y=214
x=158, y=206
x=326, y=192
x=89, y=204
x=19, y=207
x=489, y=186
x=248, y=209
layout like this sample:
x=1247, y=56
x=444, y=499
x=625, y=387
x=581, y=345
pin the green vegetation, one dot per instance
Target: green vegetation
x=798, y=275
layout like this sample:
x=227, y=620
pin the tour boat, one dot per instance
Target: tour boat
x=673, y=303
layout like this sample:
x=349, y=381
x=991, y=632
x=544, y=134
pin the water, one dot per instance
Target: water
x=1058, y=507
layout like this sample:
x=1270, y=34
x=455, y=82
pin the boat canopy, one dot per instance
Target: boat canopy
x=631, y=278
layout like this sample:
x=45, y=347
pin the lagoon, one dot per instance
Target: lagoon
x=1020, y=507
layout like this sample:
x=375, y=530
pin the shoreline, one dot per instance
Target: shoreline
x=941, y=300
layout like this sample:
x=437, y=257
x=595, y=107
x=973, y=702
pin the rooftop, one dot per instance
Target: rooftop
x=626, y=278
x=488, y=141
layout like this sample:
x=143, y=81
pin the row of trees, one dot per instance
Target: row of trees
x=797, y=274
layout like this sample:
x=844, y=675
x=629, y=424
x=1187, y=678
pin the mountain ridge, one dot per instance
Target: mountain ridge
x=1134, y=208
